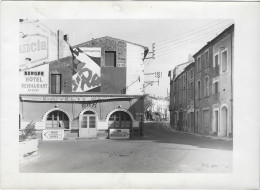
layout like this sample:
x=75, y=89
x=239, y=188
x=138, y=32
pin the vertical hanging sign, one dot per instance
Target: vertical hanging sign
x=86, y=69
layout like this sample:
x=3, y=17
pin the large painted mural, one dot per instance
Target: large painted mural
x=86, y=74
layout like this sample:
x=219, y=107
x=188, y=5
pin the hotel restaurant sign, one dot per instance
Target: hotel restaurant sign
x=35, y=80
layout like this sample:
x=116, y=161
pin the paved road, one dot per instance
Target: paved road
x=161, y=150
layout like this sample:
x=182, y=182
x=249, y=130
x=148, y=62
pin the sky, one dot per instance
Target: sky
x=175, y=40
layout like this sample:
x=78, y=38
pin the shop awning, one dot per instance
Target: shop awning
x=75, y=97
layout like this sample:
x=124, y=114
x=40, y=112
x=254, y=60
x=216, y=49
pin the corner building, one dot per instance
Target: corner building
x=97, y=87
x=214, y=85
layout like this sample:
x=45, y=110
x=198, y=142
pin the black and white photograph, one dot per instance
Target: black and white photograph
x=110, y=96
x=136, y=96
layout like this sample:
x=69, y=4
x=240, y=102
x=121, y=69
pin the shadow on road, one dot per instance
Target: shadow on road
x=161, y=133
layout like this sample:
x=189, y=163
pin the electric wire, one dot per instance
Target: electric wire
x=203, y=28
x=206, y=33
x=201, y=39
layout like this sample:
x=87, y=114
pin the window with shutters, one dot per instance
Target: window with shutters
x=224, y=61
x=206, y=86
x=206, y=59
x=215, y=87
x=198, y=64
x=199, y=90
x=55, y=83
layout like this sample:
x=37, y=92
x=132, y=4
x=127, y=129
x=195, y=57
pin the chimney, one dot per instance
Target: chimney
x=190, y=58
x=66, y=38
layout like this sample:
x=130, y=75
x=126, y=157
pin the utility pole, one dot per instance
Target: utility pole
x=152, y=52
x=157, y=74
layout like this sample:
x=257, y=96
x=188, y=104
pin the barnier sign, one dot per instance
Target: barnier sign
x=33, y=47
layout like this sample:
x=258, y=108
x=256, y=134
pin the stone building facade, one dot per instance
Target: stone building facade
x=212, y=101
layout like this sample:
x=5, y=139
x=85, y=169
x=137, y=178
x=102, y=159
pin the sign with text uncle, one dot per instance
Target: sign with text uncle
x=35, y=80
x=33, y=50
x=86, y=69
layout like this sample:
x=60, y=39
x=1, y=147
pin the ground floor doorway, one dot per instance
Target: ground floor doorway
x=88, y=124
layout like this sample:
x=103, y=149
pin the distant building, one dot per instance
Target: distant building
x=211, y=104
x=182, y=98
x=157, y=108
x=82, y=91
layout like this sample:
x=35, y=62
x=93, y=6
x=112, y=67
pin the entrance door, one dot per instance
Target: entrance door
x=192, y=122
x=206, y=121
x=216, y=122
x=223, y=129
x=88, y=125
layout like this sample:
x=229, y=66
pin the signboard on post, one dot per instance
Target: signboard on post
x=119, y=133
x=52, y=135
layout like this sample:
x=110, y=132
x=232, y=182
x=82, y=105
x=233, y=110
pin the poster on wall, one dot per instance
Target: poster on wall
x=35, y=80
x=86, y=69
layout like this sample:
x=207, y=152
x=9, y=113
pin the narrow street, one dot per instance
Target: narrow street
x=160, y=150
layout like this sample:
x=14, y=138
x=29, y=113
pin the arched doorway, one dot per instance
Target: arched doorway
x=57, y=119
x=216, y=121
x=88, y=124
x=224, y=121
x=120, y=120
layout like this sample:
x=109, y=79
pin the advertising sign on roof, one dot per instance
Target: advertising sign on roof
x=33, y=50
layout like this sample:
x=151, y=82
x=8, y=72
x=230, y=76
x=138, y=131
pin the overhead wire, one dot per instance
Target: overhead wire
x=182, y=38
x=185, y=44
x=203, y=28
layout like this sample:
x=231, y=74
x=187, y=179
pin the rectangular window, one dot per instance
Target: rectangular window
x=206, y=87
x=224, y=61
x=199, y=86
x=191, y=73
x=199, y=64
x=191, y=90
x=206, y=59
x=184, y=94
x=215, y=63
x=55, y=83
x=215, y=87
x=110, y=58
x=184, y=79
x=180, y=96
x=188, y=75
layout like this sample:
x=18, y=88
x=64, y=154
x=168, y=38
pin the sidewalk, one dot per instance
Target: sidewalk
x=201, y=135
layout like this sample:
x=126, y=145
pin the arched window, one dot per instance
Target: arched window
x=120, y=119
x=57, y=119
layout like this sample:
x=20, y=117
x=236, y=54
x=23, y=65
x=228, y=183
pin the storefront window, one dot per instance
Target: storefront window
x=120, y=119
x=57, y=119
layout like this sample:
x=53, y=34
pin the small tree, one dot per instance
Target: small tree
x=29, y=132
